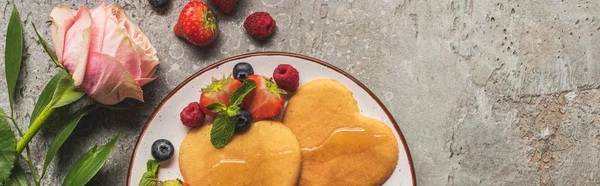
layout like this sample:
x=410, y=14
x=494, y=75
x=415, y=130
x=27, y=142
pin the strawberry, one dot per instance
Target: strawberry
x=224, y=5
x=218, y=91
x=266, y=100
x=197, y=24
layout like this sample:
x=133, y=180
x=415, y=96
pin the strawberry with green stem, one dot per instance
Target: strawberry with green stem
x=219, y=91
x=266, y=101
x=224, y=124
x=197, y=23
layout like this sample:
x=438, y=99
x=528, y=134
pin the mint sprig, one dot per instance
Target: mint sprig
x=224, y=125
x=150, y=177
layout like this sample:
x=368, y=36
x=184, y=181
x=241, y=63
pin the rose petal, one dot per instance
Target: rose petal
x=142, y=45
x=99, y=20
x=108, y=82
x=62, y=19
x=117, y=44
x=77, y=45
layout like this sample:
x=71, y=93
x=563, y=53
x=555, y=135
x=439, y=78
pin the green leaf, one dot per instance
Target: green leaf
x=150, y=177
x=216, y=107
x=89, y=164
x=13, y=53
x=47, y=48
x=47, y=94
x=63, y=134
x=65, y=93
x=222, y=130
x=17, y=177
x=238, y=95
x=176, y=182
x=2, y=114
x=8, y=153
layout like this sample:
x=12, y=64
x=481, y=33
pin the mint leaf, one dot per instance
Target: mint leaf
x=238, y=94
x=222, y=130
x=216, y=107
x=176, y=182
x=150, y=177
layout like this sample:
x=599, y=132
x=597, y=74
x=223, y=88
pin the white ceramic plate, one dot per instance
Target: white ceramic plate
x=164, y=123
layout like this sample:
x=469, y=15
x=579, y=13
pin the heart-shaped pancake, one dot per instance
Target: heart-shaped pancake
x=339, y=145
x=266, y=154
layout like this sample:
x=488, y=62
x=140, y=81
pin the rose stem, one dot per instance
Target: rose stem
x=34, y=128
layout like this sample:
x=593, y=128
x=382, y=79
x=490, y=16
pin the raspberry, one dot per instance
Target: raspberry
x=260, y=24
x=191, y=116
x=286, y=77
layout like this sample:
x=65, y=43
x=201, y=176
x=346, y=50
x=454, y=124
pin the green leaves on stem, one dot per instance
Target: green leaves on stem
x=89, y=164
x=8, y=154
x=13, y=54
x=64, y=133
x=59, y=91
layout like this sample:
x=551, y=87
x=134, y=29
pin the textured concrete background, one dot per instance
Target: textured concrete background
x=487, y=92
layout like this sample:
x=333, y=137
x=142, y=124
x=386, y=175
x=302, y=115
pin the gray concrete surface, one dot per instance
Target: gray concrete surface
x=487, y=92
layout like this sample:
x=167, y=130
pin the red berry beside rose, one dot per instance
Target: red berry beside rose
x=192, y=116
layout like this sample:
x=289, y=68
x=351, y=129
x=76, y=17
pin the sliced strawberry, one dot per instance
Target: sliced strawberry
x=218, y=91
x=266, y=100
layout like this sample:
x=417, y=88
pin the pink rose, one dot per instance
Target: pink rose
x=108, y=56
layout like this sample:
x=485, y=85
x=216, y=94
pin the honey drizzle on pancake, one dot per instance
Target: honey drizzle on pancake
x=343, y=141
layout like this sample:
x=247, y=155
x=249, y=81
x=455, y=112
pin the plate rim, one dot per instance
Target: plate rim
x=270, y=53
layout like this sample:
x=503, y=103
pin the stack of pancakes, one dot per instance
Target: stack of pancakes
x=323, y=140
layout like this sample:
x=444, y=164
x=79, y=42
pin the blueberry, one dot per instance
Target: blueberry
x=243, y=120
x=159, y=3
x=242, y=70
x=162, y=150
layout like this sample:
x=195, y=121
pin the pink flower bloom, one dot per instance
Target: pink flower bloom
x=108, y=56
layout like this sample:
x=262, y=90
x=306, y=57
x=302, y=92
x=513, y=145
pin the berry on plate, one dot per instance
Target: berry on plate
x=243, y=119
x=242, y=70
x=159, y=3
x=287, y=77
x=266, y=100
x=197, y=24
x=219, y=91
x=162, y=150
x=192, y=116
x=224, y=5
x=260, y=24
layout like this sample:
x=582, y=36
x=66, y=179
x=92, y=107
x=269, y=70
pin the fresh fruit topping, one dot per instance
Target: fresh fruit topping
x=192, y=116
x=159, y=3
x=162, y=150
x=243, y=120
x=287, y=77
x=224, y=5
x=197, y=24
x=260, y=24
x=150, y=177
x=219, y=91
x=176, y=182
x=225, y=123
x=242, y=70
x=266, y=100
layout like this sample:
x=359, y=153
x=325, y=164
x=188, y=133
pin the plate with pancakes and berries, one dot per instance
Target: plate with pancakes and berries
x=271, y=118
